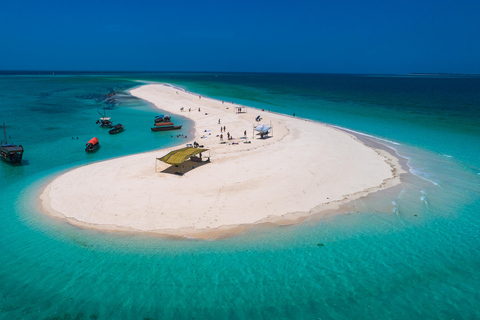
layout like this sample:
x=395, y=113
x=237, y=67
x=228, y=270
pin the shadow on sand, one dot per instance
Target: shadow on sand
x=185, y=167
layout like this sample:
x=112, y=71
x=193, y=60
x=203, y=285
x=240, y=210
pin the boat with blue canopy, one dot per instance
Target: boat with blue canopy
x=162, y=118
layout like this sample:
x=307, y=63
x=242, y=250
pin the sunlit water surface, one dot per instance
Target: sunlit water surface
x=408, y=254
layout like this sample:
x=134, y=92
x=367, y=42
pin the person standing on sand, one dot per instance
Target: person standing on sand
x=245, y=133
x=221, y=137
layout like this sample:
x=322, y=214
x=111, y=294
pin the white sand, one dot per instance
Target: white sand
x=303, y=166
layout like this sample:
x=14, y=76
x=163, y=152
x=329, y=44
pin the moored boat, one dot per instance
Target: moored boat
x=10, y=152
x=116, y=129
x=92, y=145
x=104, y=121
x=163, y=123
x=162, y=118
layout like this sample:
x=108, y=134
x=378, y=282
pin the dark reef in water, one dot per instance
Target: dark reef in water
x=109, y=99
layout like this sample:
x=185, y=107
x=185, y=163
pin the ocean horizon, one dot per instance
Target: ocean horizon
x=413, y=254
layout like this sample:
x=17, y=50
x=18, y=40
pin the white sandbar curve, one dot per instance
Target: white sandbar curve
x=304, y=165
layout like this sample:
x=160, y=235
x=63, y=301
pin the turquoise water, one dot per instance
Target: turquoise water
x=412, y=254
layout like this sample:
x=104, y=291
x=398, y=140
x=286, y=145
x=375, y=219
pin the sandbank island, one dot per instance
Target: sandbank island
x=302, y=167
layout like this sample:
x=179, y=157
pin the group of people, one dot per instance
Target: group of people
x=180, y=136
x=229, y=137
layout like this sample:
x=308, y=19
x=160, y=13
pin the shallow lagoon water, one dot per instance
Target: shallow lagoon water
x=415, y=254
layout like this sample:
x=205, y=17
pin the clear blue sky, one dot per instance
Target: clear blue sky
x=324, y=36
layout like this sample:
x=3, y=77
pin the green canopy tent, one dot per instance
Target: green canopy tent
x=177, y=157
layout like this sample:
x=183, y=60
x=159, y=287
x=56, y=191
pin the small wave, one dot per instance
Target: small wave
x=369, y=135
x=425, y=202
x=447, y=156
x=189, y=237
x=422, y=175
x=423, y=192
x=175, y=87
x=395, y=207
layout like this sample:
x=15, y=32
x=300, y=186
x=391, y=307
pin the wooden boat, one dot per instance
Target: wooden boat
x=166, y=128
x=116, y=129
x=92, y=145
x=162, y=124
x=162, y=118
x=104, y=121
x=10, y=152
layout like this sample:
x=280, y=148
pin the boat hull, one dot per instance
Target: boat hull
x=93, y=148
x=116, y=130
x=106, y=125
x=10, y=158
x=166, y=128
x=92, y=145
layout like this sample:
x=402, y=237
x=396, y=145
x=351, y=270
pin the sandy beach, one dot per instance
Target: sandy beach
x=302, y=168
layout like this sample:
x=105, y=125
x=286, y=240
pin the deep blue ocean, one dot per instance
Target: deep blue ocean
x=409, y=254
